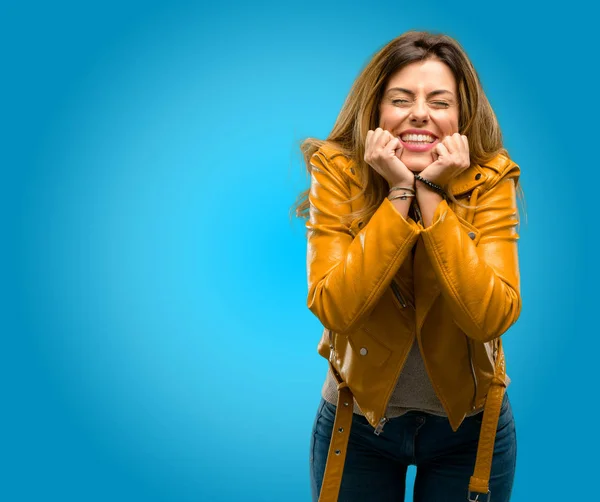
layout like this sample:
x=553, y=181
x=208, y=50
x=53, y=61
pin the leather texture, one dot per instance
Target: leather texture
x=466, y=283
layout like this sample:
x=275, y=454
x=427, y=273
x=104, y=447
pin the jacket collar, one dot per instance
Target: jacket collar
x=466, y=181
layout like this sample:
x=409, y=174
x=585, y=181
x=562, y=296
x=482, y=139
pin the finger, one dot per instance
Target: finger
x=391, y=142
x=369, y=146
x=465, y=141
x=386, y=137
x=383, y=138
x=466, y=155
x=395, y=143
x=441, y=149
x=377, y=132
x=458, y=141
x=446, y=142
x=453, y=143
x=369, y=138
x=395, y=146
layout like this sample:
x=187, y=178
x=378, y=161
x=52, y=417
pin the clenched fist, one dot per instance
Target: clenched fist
x=382, y=153
x=452, y=158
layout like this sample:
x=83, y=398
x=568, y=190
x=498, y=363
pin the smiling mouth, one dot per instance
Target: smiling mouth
x=418, y=142
x=418, y=139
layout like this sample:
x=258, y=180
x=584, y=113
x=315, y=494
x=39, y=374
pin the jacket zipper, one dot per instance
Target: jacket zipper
x=398, y=294
x=472, y=371
x=383, y=420
x=378, y=430
x=395, y=288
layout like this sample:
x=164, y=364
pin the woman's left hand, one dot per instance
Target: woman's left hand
x=452, y=158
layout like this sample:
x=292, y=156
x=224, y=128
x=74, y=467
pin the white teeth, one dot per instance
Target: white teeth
x=418, y=138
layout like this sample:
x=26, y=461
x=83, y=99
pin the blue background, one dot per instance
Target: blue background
x=156, y=344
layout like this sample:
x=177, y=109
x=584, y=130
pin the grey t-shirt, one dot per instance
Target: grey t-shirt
x=413, y=390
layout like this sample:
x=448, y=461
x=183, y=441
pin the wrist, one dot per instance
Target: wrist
x=401, y=191
x=423, y=184
x=403, y=182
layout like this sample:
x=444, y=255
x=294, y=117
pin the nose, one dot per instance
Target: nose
x=419, y=113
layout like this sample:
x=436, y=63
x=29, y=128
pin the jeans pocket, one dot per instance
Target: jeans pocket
x=325, y=418
x=316, y=427
x=505, y=412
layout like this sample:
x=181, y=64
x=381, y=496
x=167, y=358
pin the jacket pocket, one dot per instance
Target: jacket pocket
x=367, y=349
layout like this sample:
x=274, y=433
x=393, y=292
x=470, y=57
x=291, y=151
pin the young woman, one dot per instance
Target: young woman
x=413, y=272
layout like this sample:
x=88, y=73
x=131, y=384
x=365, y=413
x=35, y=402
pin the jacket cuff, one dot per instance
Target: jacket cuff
x=394, y=215
x=439, y=215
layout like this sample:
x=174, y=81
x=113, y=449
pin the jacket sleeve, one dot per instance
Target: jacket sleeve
x=348, y=273
x=480, y=281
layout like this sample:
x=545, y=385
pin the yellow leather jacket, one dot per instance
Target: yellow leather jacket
x=464, y=276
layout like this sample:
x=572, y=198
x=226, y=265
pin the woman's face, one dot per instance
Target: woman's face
x=420, y=106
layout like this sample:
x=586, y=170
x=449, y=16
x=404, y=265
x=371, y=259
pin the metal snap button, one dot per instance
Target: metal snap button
x=472, y=235
x=477, y=176
x=363, y=351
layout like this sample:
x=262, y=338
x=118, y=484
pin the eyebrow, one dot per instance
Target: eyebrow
x=407, y=91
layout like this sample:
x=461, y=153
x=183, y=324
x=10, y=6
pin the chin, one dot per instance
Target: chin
x=416, y=165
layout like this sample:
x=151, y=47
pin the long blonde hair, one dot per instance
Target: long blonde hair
x=360, y=113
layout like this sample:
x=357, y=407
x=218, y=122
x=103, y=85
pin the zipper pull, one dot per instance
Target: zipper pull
x=396, y=291
x=379, y=429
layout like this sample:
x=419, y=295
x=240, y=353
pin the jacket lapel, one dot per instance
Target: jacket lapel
x=426, y=284
x=467, y=180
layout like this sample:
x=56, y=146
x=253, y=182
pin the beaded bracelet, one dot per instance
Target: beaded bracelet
x=437, y=188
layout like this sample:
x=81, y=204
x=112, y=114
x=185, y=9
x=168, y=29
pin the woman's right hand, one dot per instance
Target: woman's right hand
x=382, y=153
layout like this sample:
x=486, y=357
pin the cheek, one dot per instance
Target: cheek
x=450, y=124
x=391, y=117
x=454, y=121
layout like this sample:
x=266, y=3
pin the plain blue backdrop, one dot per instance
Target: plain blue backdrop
x=156, y=344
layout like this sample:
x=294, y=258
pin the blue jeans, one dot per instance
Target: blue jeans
x=375, y=468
